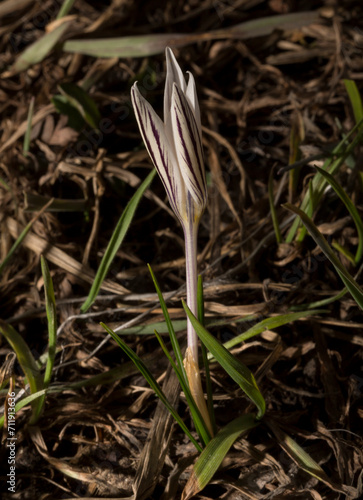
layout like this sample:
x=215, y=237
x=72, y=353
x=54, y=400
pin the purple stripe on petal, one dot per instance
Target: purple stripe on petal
x=152, y=131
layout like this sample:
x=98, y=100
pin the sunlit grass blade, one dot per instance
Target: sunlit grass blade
x=273, y=208
x=151, y=381
x=39, y=50
x=214, y=453
x=208, y=382
x=26, y=361
x=235, y=368
x=199, y=423
x=269, y=324
x=116, y=240
x=347, y=279
x=26, y=143
x=341, y=152
x=355, y=99
x=169, y=325
x=350, y=207
x=300, y=456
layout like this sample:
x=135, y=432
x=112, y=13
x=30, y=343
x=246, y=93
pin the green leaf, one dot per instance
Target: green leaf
x=50, y=306
x=300, y=457
x=273, y=208
x=355, y=99
x=25, y=401
x=196, y=415
x=320, y=303
x=26, y=143
x=25, y=358
x=169, y=324
x=214, y=453
x=34, y=202
x=350, y=207
x=66, y=7
x=210, y=404
x=22, y=235
x=64, y=107
x=116, y=240
x=269, y=324
x=235, y=368
x=39, y=50
x=347, y=279
x=151, y=381
x=341, y=151
x=82, y=102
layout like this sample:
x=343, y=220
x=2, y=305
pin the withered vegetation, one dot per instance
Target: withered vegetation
x=268, y=99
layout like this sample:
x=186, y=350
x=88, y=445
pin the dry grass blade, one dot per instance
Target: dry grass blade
x=154, y=453
x=276, y=84
x=148, y=45
x=10, y=6
x=304, y=460
x=60, y=258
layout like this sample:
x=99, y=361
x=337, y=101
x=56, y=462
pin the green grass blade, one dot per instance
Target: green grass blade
x=300, y=456
x=342, y=151
x=343, y=251
x=151, y=381
x=235, y=368
x=15, y=246
x=82, y=102
x=169, y=325
x=116, y=240
x=34, y=202
x=66, y=7
x=22, y=235
x=50, y=306
x=355, y=99
x=350, y=207
x=196, y=415
x=39, y=50
x=273, y=208
x=26, y=360
x=347, y=279
x=214, y=453
x=23, y=402
x=26, y=143
x=210, y=405
x=320, y=303
x=269, y=324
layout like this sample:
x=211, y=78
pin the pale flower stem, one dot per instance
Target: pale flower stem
x=190, y=237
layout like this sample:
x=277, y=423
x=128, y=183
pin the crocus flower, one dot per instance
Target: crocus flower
x=175, y=147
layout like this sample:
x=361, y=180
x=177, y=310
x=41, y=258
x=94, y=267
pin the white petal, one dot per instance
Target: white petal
x=188, y=148
x=173, y=75
x=191, y=94
x=160, y=150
